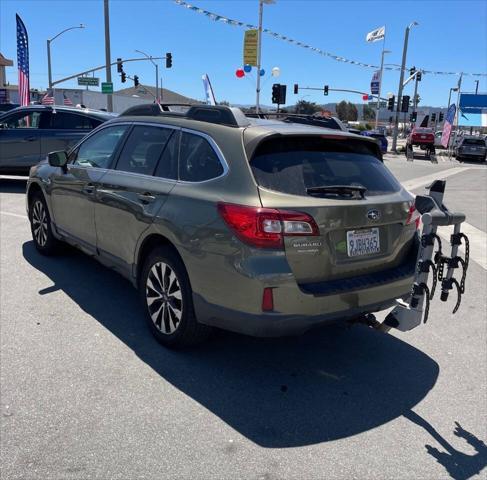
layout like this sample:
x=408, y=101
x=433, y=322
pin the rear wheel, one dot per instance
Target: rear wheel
x=41, y=226
x=166, y=295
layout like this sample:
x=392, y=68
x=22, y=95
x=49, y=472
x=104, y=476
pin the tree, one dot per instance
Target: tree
x=305, y=107
x=352, y=112
x=224, y=102
x=342, y=111
x=369, y=113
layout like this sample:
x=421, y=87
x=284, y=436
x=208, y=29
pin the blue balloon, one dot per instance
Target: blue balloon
x=262, y=72
x=247, y=68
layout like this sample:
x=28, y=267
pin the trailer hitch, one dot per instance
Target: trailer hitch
x=407, y=315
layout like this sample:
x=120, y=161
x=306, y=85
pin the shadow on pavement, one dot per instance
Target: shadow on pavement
x=326, y=385
x=11, y=185
x=459, y=465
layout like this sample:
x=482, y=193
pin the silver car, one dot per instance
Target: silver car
x=28, y=134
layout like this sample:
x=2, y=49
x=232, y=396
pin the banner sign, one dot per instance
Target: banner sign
x=473, y=103
x=375, y=83
x=250, y=48
x=449, y=119
x=376, y=35
x=210, y=96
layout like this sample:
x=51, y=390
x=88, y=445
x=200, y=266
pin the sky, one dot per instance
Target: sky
x=451, y=36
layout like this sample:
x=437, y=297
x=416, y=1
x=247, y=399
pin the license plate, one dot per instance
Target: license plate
x=363, y=242
x=423, y=136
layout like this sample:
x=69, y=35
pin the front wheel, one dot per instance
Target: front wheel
x=41, y=226
x=166, y=295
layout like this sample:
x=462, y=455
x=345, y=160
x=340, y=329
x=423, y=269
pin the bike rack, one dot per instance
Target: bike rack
x=407, y=315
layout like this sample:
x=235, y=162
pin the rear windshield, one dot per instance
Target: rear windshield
x=422, y=130
x=474, y=141
x=293, y=164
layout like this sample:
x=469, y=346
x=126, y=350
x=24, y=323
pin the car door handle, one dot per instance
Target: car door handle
x=146, y=197
x=30, y=139
x=89, y=189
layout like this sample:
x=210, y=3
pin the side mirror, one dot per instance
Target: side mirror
x=58, y=159
x=3, y=125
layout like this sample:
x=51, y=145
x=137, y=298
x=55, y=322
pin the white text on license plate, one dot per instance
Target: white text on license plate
x=363, y=242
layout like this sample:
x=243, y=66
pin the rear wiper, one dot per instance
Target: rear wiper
x=350, y=191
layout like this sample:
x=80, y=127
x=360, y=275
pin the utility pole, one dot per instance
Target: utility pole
x=107, y=54
x=259, y=50
x=477, y=87
x=415, y=98
x=401, y=79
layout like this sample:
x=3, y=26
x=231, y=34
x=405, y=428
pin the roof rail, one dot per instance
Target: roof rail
x=219, y=114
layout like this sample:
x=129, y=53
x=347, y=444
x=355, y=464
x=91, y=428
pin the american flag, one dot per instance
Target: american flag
x=449, y=119
x=48, y=99
x=66, y=100
x=23, y=62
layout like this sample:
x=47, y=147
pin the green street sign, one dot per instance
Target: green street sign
x=89, y=81
x=106, y=87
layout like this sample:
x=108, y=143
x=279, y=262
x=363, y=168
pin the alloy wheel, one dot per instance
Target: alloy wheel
x=164, y=298
x=39, y=223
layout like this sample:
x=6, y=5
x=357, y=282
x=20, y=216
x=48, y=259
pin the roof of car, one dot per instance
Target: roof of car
x=64, y=108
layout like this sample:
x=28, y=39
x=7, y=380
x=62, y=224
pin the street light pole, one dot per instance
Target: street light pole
x=259, y=49
x=380, y=84
x=107, y=53
x=453, y=89
x=401, y=79
x=157, y=73
x=49, y=40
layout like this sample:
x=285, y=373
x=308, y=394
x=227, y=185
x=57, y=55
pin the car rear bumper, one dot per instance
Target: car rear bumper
x=299, y=308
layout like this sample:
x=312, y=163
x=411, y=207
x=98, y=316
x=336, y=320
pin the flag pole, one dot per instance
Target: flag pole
x=380, y=79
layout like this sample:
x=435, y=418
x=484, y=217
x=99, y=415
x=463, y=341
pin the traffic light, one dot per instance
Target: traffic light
x=168, y=60
x=405, y=103
x=418, y=76
x=279, y=94
x=123, y=77
x=412, y=70
x=119, y=65
x=390, y=103
x=325, y=90
x=136, y=81
x=440, y=117
x=433, y=117
x=413, y=117
x=296, y=89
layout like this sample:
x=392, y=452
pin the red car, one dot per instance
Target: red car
x=421, y=136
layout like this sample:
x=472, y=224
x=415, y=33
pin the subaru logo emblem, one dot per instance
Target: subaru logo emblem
x=373, y=214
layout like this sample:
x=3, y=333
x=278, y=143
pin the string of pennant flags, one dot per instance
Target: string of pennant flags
x=220, y=18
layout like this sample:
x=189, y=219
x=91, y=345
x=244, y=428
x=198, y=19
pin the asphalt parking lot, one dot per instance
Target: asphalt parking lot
x=87, y=393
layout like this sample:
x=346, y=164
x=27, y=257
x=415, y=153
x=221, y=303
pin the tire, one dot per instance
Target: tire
x=167, y=298
x=41, y=227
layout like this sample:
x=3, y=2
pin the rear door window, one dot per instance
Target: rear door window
x=294, y=164
x=143, y=149
x=168, y=163
x=197, y=159
x=72, y=121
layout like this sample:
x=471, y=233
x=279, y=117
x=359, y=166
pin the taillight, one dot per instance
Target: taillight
x=413, y=216
x=266, y=227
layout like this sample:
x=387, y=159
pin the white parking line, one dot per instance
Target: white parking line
x=10, y=214
x=428, y=179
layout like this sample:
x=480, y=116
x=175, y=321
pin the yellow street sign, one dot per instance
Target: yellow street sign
x=250, y=48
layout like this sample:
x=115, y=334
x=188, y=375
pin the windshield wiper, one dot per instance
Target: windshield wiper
x=351, y=191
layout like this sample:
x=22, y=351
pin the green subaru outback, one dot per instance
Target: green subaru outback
x=256, y=226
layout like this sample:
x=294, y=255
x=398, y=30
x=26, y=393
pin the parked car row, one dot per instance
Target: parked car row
x=257, y=226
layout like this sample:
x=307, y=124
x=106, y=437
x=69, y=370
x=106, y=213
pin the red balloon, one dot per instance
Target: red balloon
x=240, y=73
